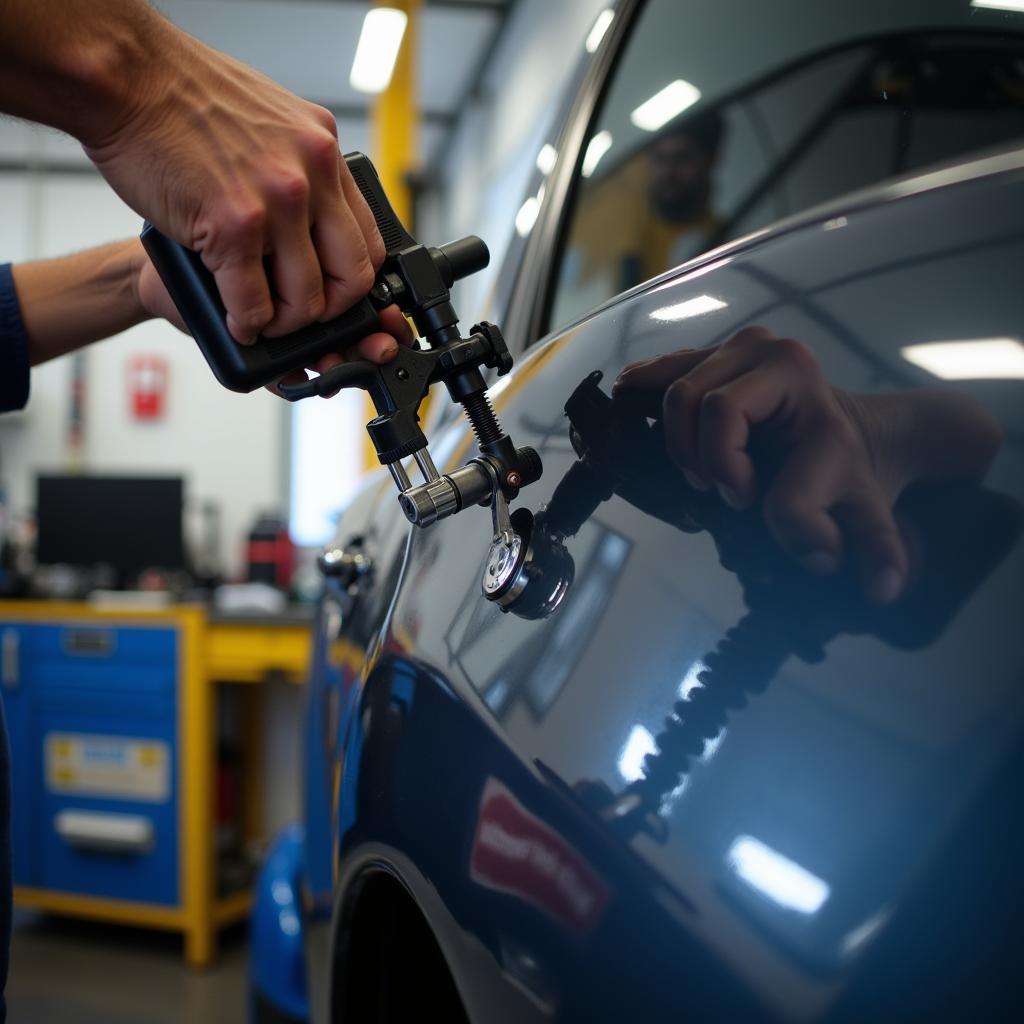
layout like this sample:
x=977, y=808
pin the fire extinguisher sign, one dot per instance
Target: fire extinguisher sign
x=147, y=386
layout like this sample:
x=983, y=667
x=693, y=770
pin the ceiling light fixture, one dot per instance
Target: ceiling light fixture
x=546, y=158
x=1000, y=5
x=696, y=306
x=974, y=359
x=601, y=23
x=379, y=43
x=777, y=877
x=676, y=97
x=527, y=216
x=597, y=147
x=634, y=751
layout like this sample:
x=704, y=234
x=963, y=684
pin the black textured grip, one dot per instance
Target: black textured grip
x=247, y=367
x=396, y=238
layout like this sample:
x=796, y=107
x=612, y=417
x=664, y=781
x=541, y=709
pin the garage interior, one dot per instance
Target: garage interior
x=173, y=578
x=144, y=404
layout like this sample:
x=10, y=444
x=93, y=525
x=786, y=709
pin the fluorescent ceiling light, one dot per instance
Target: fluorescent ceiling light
x=599, y=145
x=546, y=158
x=676, y=97
x=711, y=746
x=635, y=749
x=527, y=216
x=379, y=43
x=1000, y=5
x=777, y=877
x=601, y=23
x=691, y=681
x=697, y=306
x=863, y=933
x=975, y=359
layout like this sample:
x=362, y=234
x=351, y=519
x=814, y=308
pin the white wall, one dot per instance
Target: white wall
x=489, y=158
x=230, y=448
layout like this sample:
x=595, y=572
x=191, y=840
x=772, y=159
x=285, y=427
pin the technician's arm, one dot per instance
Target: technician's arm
x=75, y=65
x=217, y=156
x=71, y=301
x=74, y=300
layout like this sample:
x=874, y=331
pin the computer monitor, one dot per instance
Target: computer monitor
x=129, y=522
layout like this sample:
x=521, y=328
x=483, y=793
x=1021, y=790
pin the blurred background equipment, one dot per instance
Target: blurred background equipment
x=125, y=524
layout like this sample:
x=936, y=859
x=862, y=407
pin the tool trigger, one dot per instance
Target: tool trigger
x=360, y=374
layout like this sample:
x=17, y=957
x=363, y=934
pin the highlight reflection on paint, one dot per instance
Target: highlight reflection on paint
x=783, y=881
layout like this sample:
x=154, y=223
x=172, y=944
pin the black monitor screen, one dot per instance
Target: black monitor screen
x=129, y=522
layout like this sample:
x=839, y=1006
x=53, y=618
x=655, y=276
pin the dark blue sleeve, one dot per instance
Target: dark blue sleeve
x=13, y=346
x=5, y=859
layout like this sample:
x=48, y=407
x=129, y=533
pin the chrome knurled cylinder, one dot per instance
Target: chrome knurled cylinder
x=428, y=503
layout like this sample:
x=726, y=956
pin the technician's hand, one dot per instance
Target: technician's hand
x=380, y=347
x=232, y=165
x=829, y=464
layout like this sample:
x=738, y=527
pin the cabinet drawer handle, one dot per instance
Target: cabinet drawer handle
x=105, y=833
x=10, y=662
x=98, y=643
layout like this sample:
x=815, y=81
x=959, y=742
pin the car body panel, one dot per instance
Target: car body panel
x=797, y=845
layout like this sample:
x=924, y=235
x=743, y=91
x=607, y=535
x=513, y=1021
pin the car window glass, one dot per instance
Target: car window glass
x=703, y=137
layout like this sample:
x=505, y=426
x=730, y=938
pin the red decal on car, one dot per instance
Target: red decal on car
x=516, y=853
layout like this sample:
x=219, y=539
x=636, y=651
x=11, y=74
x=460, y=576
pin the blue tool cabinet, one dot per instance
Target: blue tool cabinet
x=92, y=718
x=114, y=815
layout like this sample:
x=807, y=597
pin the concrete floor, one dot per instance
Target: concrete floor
x=64, y=970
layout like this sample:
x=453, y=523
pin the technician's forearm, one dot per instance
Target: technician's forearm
x=79, y=65
x=928, y=434
x=75, y=300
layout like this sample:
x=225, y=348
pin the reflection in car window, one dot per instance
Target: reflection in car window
x=683, y=157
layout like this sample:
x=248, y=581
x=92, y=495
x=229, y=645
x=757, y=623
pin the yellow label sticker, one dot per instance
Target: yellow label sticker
x=116, y=767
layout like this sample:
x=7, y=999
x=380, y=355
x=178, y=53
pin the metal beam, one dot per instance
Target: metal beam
x=474, y=89
x=55, y=167
x=480, y=72
x=490, y=6
x=356, y=112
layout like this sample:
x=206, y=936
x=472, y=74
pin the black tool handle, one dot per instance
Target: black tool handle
x=247, y=367
x=396, y=238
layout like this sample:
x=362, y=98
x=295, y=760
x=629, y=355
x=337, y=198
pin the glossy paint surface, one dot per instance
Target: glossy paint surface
x=847, y=829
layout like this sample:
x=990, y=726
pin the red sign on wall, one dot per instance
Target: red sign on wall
x=147, y=386
x=516, y=853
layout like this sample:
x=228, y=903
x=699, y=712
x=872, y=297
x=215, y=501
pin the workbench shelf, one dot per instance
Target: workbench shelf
x=112, y=721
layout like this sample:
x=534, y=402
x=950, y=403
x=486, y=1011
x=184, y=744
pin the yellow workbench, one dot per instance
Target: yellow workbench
x=210, y=653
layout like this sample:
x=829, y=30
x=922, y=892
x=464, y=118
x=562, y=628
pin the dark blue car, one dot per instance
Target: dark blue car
x=681, y=772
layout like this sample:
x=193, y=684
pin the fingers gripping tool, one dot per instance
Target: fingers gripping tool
x=417, y=279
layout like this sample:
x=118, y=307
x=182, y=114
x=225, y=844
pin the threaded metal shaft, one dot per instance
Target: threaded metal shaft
x=481, y=415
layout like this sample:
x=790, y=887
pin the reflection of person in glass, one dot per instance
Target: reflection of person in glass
x=651, y=212
x=681, y=162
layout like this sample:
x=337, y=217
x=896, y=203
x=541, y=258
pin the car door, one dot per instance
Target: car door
x=842, y=816
x=815, y=792
x=843, y=744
